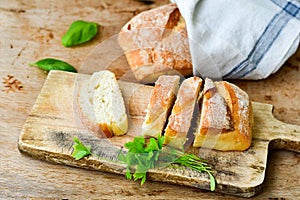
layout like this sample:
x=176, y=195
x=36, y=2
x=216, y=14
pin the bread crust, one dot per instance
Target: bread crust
x=238, y=135
x=106, y=130
x=160, y=104
x=215, y=114
x=182, y=113
x=155, y=42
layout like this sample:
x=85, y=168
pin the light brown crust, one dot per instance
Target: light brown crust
x=160, y=104
x=215, y=114
x=240, y=137
x=106, y=130
x=242, y=111
x=155, y=42
x=182, y=112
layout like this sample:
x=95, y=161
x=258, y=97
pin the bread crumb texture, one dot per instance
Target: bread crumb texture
x=109, y=104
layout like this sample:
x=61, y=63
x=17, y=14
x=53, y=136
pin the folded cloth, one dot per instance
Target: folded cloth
x=240, y=39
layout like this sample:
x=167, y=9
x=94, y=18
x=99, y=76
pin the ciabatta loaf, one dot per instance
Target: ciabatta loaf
x=155, y=42
x=160, y=104
x=182, y=112
x=226, y=118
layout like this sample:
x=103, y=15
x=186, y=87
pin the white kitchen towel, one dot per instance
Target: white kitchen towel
x=240, y=39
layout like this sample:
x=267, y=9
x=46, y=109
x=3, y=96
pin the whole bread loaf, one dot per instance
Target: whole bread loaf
x=155, y=42
x=224, y=123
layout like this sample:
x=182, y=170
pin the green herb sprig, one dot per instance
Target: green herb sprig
x=196, y=163
x=142, y=157
x=80, y=150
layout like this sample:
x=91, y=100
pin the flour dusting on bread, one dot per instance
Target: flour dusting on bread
x=155, y=43
x=176, y=133
x=160, y=105
x=226, y=118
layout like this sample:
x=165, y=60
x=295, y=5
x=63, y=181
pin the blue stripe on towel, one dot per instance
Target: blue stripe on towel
x=265, y=41
x=290, y=8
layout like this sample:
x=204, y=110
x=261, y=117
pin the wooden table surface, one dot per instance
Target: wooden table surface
x=31, y=30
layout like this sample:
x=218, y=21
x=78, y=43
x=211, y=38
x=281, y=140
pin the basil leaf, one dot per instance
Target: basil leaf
x=48, y=64
x=79, y=32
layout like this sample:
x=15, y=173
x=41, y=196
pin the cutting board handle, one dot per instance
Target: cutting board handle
x=281, y=135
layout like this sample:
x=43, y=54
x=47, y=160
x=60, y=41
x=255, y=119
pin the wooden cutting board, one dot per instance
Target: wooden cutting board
x=53, y=122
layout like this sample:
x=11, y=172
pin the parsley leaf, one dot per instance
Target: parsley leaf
x=80, y=150
x=137, y=146
x=152, y=146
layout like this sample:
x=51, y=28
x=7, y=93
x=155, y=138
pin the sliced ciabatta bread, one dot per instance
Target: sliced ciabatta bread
x=109, y=104
x=226, y=118
x=182, y=112
x=215, y=112
x=96, y=97
x=155, y=42
x=160, y=104
x=85, y=108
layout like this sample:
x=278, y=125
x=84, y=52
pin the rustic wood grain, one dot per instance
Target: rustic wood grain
x=54, y=121
x=31, y=30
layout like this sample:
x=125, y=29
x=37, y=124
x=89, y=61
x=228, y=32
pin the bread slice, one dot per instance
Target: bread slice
x=160, y=104
x=182, y=113
x=108, y=104
x=226, y=118
x=89, y=105
x=155, y=42
x=84, y=107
